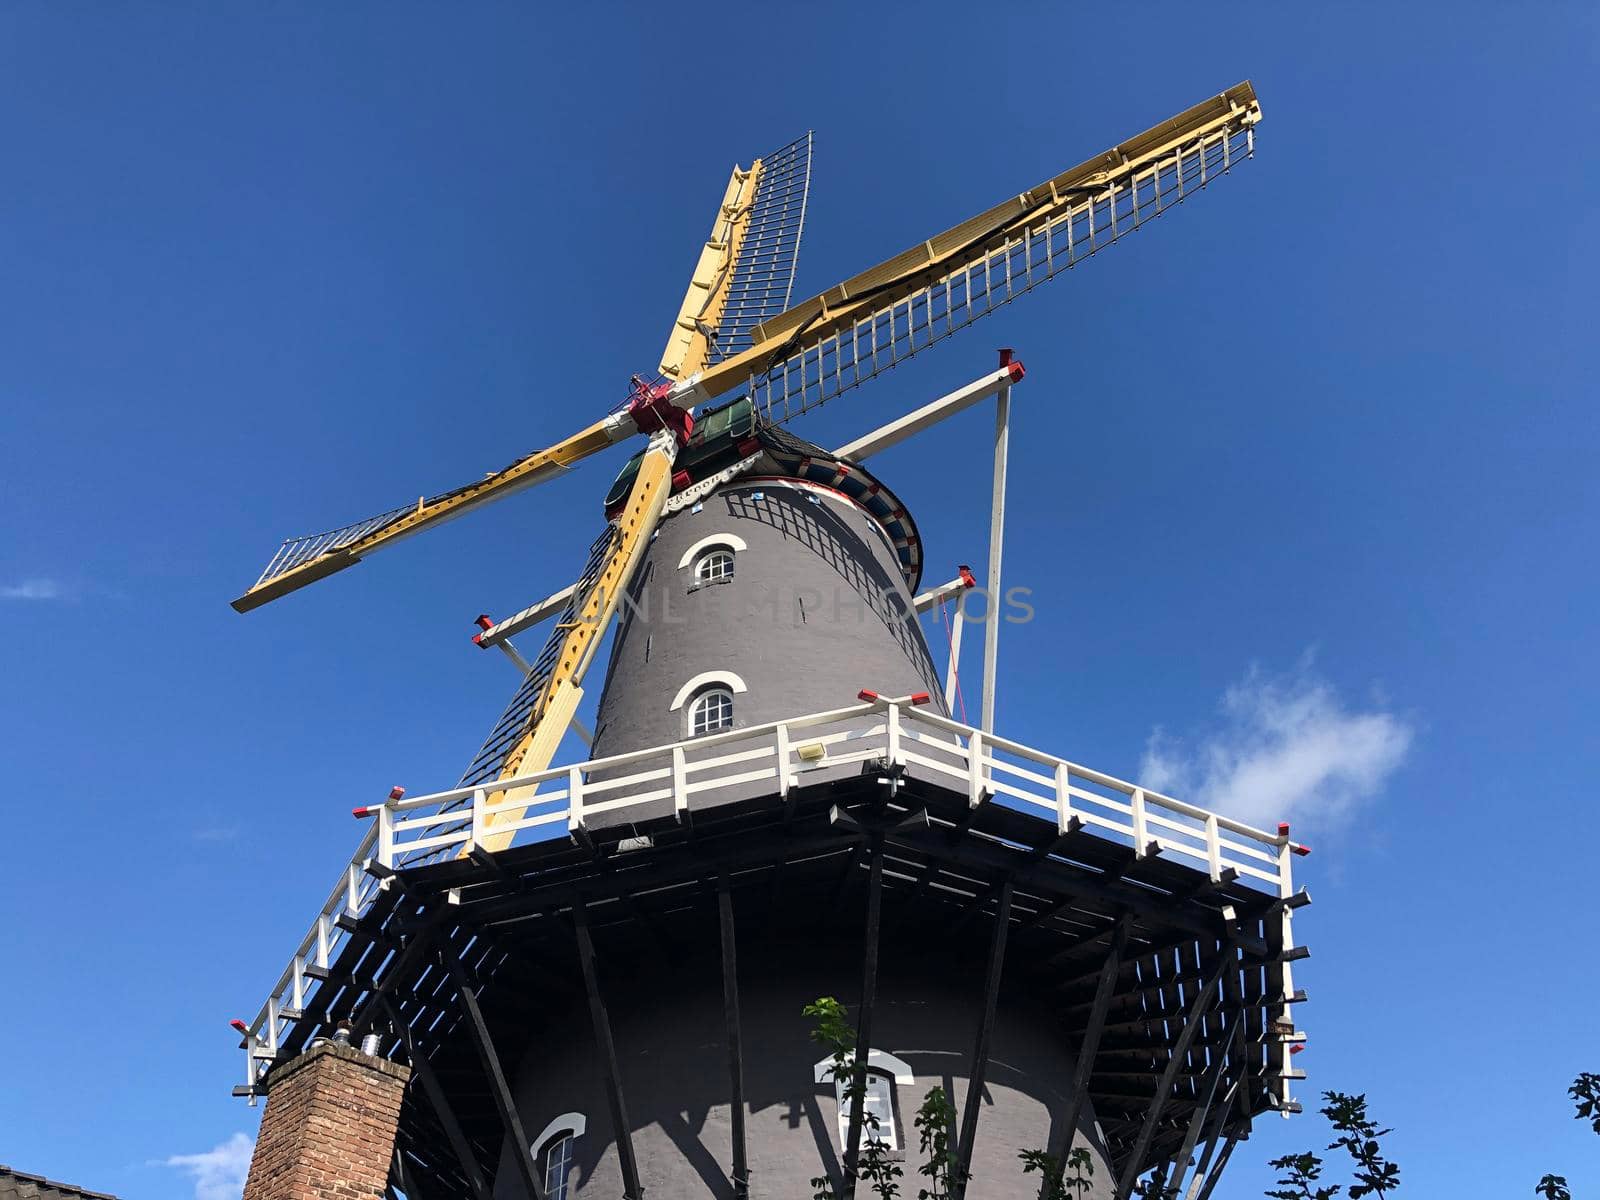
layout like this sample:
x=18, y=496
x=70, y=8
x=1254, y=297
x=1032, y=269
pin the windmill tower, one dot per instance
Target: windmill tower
x=594, y=970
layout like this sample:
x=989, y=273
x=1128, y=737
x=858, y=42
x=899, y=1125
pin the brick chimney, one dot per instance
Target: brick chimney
x=329, y=1128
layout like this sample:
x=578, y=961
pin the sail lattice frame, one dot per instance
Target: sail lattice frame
x=1022, y=257
x=763, y=277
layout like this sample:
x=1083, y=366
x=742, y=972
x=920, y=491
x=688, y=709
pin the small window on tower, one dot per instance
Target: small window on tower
x=557, y=1161
x=714, y=565
x=711, y=712
x=879, y=1123
x=556, y=1153
x=877, y=1113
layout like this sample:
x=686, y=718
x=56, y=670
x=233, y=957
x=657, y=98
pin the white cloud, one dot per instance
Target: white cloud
x=1286, y=749
x=218, y=1173
x=31, y=589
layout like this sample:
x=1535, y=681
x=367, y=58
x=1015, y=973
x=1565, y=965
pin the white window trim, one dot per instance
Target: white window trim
x=573, y=1122
x=877, y=1060
x=726, y=678
x=726, y=541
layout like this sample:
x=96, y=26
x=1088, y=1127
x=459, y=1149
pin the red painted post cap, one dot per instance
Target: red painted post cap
x=396, y=792
x=865, y=694
x=919, y=698
x=240, y=1026
x=484, y=621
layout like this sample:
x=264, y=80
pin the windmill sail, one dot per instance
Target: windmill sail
x=302, y=560
x=745, y=273
x=881, y=317
x=762, y=280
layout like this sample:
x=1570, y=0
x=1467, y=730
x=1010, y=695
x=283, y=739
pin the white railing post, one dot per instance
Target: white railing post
x=297, y=992
x=997, y=530
x=352, y=890
x=1286, y=940
x=323, y=938
x=952, y=670
x=1213, y=847
x=479, y=819
x=783, y=759
x=1063, y=798
x=894, y=734
x=680, y=782
x=574, y=798
x=272, y=1026
x=975, y=771
x=386, y=836
x=1141, y=835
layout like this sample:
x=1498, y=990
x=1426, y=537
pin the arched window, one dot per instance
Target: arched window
x=557, y=1162
x=711, y=557
x=878, y=1123
x=714, y=565
x=556, y=1153
x=711, y=711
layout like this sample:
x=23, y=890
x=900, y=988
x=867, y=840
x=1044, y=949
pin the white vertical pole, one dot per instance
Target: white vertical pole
x=997, y=525
x=479, y=826
x=680, y=782
x=952, y=669
x=783, y=760
x=575, y=797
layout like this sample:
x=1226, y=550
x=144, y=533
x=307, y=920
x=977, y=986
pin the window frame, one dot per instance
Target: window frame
x=718, y=554
x=884, y=1070
x=716, y=689
x=564, y=1131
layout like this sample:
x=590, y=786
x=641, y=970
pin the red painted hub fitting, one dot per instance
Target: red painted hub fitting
x=652, y=411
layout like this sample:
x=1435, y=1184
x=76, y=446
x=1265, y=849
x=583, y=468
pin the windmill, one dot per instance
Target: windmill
x=681, y=791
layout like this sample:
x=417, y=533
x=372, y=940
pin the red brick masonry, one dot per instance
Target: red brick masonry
x=328, y=1131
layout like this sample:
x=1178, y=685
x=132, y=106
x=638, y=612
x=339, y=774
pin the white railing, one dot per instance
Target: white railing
x=412, y=831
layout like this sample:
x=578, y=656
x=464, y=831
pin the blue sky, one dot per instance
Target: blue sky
x=1303, y=482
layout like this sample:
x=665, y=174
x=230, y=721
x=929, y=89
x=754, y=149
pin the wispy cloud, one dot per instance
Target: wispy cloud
x=32, y=589
x=218, y=1173
x=1287, y=748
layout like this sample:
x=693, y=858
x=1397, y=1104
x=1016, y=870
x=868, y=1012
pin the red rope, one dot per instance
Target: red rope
x=955, y=668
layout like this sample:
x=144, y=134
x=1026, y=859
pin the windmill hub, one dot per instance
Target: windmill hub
x=652, y=409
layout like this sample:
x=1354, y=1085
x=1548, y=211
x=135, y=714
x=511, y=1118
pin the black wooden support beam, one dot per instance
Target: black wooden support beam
x=1198, y=1120
x=1078, y=1097
x=980, y=1050
x=1215, y=1173
x=411, y=1182
x=521, y=1152
x=1121, y=895
x=730, y=1011
x=621, y=1130
x=1180, y=1051
x=869, y=994
x=361, y=1019
x=422, y=1071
